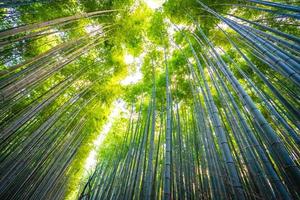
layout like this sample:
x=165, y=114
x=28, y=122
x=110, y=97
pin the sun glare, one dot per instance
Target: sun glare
x=154, y=4
x=128, y=59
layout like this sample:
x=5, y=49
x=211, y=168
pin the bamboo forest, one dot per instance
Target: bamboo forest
x=149, y=99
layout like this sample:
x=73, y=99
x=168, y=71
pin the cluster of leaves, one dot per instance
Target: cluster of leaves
x=135, y=29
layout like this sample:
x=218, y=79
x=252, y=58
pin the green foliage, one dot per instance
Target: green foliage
x=77, y=83
x=157, y=32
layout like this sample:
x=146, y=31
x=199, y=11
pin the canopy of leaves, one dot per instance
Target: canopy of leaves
x=63, y=66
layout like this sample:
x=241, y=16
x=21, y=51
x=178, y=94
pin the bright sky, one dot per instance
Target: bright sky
x=92, y=29
x=154, y=4
x=119, y=107
x=136, y=64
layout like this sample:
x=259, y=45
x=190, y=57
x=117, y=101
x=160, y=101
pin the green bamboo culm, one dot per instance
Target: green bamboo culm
x=170, y=99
